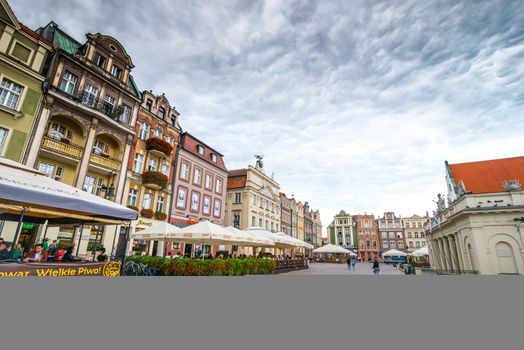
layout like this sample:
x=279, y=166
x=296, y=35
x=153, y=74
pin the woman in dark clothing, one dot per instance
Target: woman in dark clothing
x=102, y=257
x=68, y=256
x=376, y=267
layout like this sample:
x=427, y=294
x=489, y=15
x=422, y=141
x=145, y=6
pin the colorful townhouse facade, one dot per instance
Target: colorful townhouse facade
x=151, y=164
x=342, y=231
x=368, y=239
x=391, y=229
x=23, y=55
x=285, y=214
x=414, y=232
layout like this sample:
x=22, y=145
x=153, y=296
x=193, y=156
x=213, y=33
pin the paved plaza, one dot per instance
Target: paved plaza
x=342, y=269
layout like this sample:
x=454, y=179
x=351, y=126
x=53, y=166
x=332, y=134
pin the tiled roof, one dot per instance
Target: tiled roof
x=35, y=35
x=238, y=172
x=236, y=182
x=66, y=43
x=190, y=144
x=488, y=175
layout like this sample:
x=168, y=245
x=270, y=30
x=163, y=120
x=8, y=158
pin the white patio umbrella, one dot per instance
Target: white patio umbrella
x=394, y=252
x=333, y=249
x=297, y=242
x=279, y=241
x=249, y=240
x=421, y=252
x=156, y=233
x=204, y=232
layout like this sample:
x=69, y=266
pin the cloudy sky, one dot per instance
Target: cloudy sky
x=354, y=104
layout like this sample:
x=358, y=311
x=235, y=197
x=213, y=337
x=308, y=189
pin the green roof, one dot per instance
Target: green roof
x=65, y=43
x=132, y=84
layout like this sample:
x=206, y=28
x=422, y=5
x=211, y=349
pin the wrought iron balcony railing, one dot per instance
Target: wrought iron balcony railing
x=100, y=105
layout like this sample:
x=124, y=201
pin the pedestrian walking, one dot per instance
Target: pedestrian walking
x=348, y=261
x=354, y=264
x=376, y=267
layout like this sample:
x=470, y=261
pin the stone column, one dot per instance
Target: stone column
x=84, y=163
x=435, y=257
x=442, y=249
x=123, y=170
x=41, y=127
x=460, y=259
x=449, y=249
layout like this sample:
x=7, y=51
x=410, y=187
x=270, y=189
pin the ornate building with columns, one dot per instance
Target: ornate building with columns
x=86, y=128
x=482, y=227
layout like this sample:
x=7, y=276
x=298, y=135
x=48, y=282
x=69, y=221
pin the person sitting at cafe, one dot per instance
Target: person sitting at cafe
x=59, y=254
x=53, y=245
x=5, y=254
x=17, y=252
x=102, y=257
x=45, y=244
x=38, y=254
x=68, y=256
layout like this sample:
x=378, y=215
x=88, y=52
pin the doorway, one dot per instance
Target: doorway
x=506, y=259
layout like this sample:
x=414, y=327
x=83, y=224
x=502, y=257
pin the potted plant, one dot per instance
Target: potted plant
x=160, y=216
x=160, y=145
x=65, y=140
x=132, y=207
x=155, y=178
x=147, y=213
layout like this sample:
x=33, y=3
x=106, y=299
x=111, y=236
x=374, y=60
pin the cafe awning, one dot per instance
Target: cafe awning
x=46, y=199
x=333, y=249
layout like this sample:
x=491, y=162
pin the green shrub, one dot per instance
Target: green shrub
x=199, y=267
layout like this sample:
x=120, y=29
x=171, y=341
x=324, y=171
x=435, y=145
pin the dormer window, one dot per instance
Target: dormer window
x=100, y=60
x=149, y=105
x=200, y=149
x=116, y=72
x=214, y=157
x=173, y=120
x=161, y=112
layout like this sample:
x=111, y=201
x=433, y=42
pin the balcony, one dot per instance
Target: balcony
x=159, y=147
x=105, y=162
x=62, y=147
x=154, y=180
x=115, y=113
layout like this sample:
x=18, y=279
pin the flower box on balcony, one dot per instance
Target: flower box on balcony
x=65, y=140
x=147, y=213
x=157, y=144
x=154, y=178
x=160, y=216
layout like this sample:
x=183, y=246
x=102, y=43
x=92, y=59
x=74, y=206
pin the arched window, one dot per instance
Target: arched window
x=100, y=148
x=60, y=132
x=157, y=133
x=506, y=258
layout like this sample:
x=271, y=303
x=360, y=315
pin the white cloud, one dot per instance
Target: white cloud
x=355, y=105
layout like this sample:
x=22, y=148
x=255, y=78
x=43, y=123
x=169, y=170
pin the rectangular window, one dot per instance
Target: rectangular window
x=238, y=198
x=236, y=219
x=3, y=139
x=89, y=95
x=165, y=169
x=131, y=199
x=116, y=72
x=147, y=202
x=416, y=234
x=125, y=115
x=89, y=184
x=152, y=165
x=109, y=105
x=195, y=202
x=253, y=221
x=392, y=235
x=385, y=245
x=392, y=244
x=197, y=180
x=401, y=245
x=374, y=244
x=181, y=198
x=184, y=171
x=100, y=60
x=384, y=235
x=21, y=52
x=399, y=235
x=260, y=223
x=47, y=168
x=68, y=82
x=218, y=208
x=143, y=132
x=410, y=243
x=138, y=163
x=219, y=186
x=209, y=182
x=207, y=205
x=160, y=204
x=10, y=93
x=59, y=173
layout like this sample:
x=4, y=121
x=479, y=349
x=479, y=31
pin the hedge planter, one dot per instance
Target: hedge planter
x=199, y=267
x=159, y=145
x=147, y=213
x=154, y=180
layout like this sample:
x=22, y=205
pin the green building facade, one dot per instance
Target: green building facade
x=343, y=231
x=23, y=56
